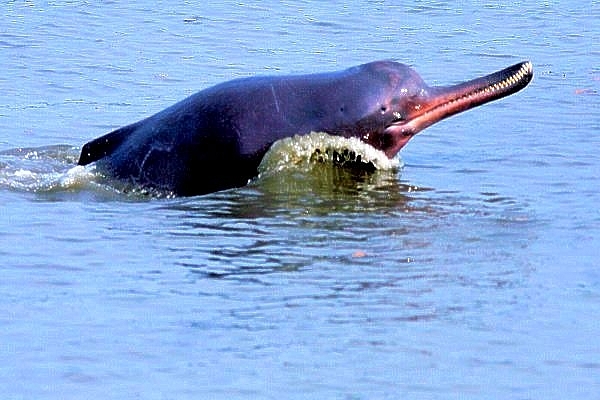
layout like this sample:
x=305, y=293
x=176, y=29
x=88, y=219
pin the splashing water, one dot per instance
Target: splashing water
x=54, y=169
x=303, y=151
x=43, y=169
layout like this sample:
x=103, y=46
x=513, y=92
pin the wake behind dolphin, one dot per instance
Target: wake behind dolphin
x=42, y=169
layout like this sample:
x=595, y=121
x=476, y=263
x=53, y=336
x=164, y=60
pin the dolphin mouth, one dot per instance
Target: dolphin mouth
x=444, y=101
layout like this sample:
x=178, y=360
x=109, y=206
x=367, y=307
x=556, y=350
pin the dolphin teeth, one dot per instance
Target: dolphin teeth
x=497, y=86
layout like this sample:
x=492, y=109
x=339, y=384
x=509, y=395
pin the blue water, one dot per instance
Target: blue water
x=471, y=273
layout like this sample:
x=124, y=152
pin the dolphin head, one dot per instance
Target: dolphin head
x=400, y=104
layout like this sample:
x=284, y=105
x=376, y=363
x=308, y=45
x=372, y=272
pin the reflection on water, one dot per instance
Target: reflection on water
x=262, y=228
x=295, y=222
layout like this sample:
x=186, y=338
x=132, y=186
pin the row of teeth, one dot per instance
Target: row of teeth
x=526, y=69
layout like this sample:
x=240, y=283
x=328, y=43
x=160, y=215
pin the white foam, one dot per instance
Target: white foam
x=76, y=176
x=43, y=169
x=302, y=150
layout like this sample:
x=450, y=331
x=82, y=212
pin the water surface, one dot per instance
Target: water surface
x=471, y=272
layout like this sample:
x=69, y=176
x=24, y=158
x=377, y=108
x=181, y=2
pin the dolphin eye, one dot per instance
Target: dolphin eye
x=383, y=109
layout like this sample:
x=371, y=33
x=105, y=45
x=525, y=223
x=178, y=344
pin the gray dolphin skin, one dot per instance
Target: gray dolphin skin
x=216, y=138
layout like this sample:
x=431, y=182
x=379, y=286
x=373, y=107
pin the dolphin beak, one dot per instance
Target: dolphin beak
x=441, y=102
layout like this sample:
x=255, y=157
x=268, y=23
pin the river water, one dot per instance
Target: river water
x=471, y=272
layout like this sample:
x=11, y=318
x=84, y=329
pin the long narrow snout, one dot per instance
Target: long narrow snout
x=444, y=101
